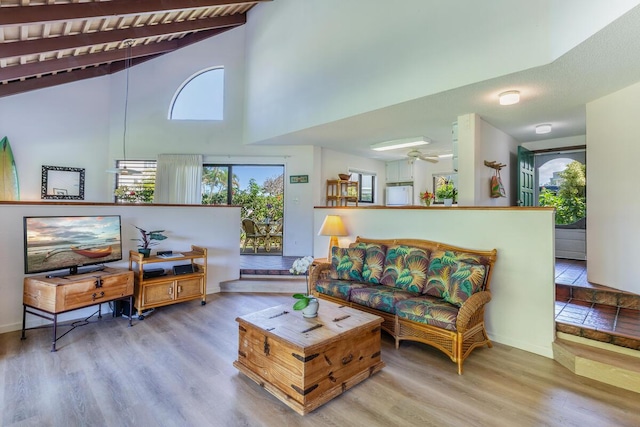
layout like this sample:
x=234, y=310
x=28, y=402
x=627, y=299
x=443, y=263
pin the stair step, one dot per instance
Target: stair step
x=268, y=283
x=619, y=367
x=598, y=295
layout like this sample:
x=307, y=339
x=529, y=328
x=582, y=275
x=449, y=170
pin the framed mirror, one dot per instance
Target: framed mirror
x=62, y=183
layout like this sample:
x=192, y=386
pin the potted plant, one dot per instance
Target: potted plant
x=447, y=192
x=148, y=239
x=426, y=198
x=305, y=302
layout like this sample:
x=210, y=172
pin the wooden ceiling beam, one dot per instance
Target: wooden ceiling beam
x=180, y=43
x=87, y=60
x=31, y=47
x=64, y=12
x=27, y=85
x=105, y=62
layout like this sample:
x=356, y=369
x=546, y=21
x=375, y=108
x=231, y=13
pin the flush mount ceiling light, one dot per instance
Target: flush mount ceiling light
x=509, y=97
x=400, y=143
x=127, y=65
x=444, y=156
x=540, y=129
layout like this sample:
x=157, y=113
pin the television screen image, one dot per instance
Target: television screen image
x=60, y=242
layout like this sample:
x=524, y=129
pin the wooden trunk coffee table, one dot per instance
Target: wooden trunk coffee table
x=307, y=362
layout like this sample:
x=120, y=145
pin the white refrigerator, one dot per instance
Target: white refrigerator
x=400, y=195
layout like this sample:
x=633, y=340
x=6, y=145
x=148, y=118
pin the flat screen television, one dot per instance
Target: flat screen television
x=69, y=242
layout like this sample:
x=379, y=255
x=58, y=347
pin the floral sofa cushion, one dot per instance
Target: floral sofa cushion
x=338, y=288
x=380, y=297
x=405, y=267
x=454, y=276
x=373, y=261
x=347, y=263
x=429, y=310
x=464, y=282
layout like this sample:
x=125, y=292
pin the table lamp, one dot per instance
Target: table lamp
x=332, y=226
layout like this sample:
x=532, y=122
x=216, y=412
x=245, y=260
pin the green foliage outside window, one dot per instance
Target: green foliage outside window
x=214, y=185
x=257, y=202
x=570, y=201
x=260, y=202
x=136, y=193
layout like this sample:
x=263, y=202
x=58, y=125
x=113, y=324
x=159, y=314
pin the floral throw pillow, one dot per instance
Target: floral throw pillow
x=452, y=278
x=405, y=267
x=373, y=261
x=465, y=281
x=442, y=265
x=347, y=263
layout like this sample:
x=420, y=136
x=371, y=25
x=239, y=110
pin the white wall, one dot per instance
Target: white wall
x=60, y=126
x=479, y=141
x=301, y=74
x=87, y=132
x=594, y=15
x=521, y=312
x=215, y=228
x=497, y=146
x=613, y=132
x=468, y=142
x=152, y=87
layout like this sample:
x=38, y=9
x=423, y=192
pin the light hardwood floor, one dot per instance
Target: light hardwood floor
x=175, y=369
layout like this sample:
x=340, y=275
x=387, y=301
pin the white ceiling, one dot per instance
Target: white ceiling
x=556, y=93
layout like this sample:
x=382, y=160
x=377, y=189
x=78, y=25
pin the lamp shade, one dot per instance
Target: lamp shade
x=332, y=226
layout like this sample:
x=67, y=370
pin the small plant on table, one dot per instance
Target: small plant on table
x=301, y=266
x=148, y=239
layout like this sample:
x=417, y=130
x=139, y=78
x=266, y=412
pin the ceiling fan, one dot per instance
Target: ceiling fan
x=417, y=154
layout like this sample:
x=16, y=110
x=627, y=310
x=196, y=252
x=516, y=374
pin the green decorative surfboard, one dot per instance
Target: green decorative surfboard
x=9, y=189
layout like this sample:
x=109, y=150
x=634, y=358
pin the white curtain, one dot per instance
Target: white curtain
x=179, y=179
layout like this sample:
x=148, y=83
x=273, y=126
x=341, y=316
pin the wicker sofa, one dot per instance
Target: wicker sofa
x=425, y=291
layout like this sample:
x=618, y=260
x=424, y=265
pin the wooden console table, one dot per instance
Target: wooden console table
x=47, y=297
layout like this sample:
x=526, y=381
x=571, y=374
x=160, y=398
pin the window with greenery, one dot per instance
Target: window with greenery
x=216, y=183
x=258, y=189
x=566, y=191
x=201, y=97
x=366, y=186
x=136, y=188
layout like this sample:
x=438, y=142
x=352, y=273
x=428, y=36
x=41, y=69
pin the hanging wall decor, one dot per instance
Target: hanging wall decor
x=62, y=183
x=9, y=188
x=497, y=188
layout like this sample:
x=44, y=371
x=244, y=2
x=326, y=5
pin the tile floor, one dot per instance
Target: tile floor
x=571, y=272
x=599, y=317
x=595, y=311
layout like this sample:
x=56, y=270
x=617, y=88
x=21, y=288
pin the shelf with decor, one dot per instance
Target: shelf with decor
x=174, y=285
x=341, y=192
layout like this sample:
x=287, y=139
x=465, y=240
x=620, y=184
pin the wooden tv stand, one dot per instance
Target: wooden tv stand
x=47, y=296
x=169, y=288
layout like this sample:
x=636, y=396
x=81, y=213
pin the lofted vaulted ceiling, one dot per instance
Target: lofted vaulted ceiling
x=50, y=42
